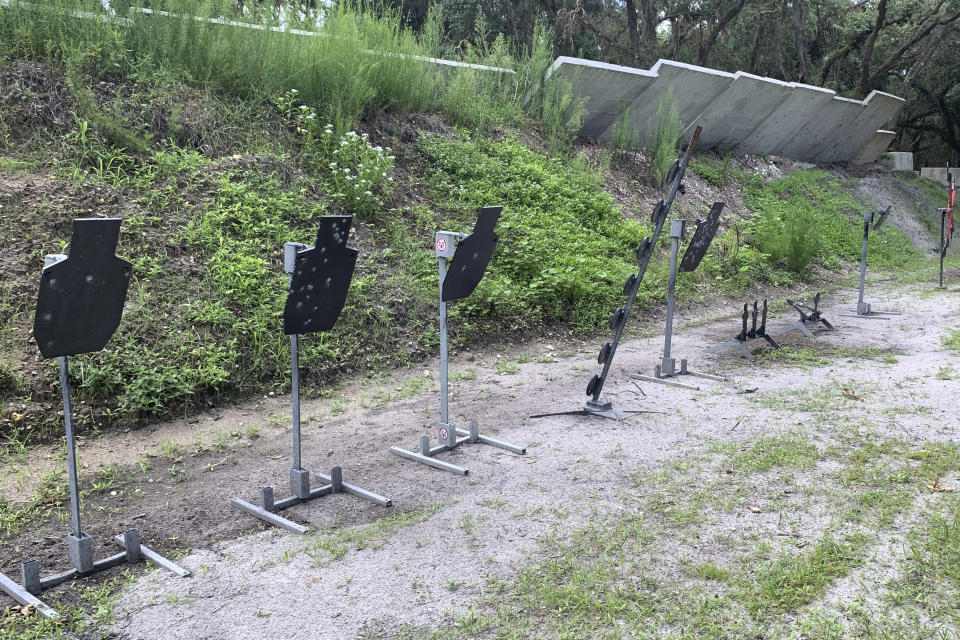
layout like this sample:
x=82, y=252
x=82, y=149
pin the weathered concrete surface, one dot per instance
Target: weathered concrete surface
x=732, y=117
x=694, y=87
x=898, y=160
x=874, y=148
x=609, y=89
x=879, y=109
x=781, y=127
x=937, y=174
x=739, y=112
x=817, y=135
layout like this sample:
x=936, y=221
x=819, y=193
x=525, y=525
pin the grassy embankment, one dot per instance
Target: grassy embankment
x=213, y=165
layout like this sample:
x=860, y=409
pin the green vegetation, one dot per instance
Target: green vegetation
x=90, y=612
x=951, y=339
x=361, y=60
x=789, y=582
x=331, y=546
x=812, y=214
x=565, y=248
x=793, y=451
x=663, y=137
x=716, y=173
x=734, y=571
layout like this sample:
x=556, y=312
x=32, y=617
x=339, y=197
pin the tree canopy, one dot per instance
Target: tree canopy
x=905, y=47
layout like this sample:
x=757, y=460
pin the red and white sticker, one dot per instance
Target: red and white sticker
x=443, y=434
x=441, y=245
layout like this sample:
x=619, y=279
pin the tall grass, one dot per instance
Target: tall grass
x=663, y=136
x=359, y=60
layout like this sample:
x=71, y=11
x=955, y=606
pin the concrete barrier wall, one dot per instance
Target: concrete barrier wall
x=937, y=174
x=739, y=112
x=609, y=88
x=898, y=160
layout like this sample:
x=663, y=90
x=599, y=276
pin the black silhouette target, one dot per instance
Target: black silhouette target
x=472, y=257
x=701, y=240
x=321, y=279
x=81, y=298
x=878, y=221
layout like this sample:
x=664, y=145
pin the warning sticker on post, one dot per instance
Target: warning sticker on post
x=444, y=434
x=445, y=244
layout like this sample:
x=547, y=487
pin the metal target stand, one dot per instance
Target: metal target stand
x=864, y=309
x=668, y=365
x=80, y=545
x=606, y=409
x=449, y=435
x=946, y=221
x=300, y=477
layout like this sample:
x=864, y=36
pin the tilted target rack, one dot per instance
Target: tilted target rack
x=470, y=255
x=319, y=279
x=606, y=409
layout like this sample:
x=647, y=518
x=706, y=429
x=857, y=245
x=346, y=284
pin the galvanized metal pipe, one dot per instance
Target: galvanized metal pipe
x=444, y=418
x=671, y=289
x=71, y=447
x=867, y=218
x=295, y=396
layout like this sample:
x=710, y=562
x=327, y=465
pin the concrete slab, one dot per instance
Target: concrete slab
x=694, y=87
x=781, y=127
x=898, y=160
x=874, y=148
x=609, y=89
x=879, y=109
x=740, y=112
x=937, y=174
x=819, y=133
x=734, y=115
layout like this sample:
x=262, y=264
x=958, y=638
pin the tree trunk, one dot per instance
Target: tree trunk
x=707, y=46
x=799, y=42
x=634, y=30
x=649, y=21
x=864, y=84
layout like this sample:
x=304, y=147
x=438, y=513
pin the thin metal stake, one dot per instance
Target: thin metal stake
x=867, y=218
x=675, y=232
x=443, y=345
x=943, y=222
x=71, y=448
x=295, y=396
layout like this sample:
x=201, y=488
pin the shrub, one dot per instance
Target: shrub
x=663, y=136
x=354, y=172
x=787, y=231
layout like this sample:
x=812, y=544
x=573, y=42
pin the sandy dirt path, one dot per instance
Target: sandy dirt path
x=448, y=541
